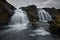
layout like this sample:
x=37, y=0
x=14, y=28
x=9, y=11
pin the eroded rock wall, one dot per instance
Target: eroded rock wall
x=6, y=11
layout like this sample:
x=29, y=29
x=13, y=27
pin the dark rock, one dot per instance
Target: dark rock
x=55, y=23
x=32, y=13
x=52, y=11
x=23, y=8
x=6, y=11
x=55, y=26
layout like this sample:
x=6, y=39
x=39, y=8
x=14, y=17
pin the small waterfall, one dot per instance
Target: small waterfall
x=19, y=20
x=44, y=16
x=19, y=17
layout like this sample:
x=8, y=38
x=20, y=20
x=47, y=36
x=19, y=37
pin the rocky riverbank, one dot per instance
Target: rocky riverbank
x=6, y=11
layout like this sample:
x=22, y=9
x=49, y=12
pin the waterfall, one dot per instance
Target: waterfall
x=19, y=17
x=44, y=16
x=19, y=20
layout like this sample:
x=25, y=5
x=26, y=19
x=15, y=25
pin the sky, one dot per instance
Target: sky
x=38, y=3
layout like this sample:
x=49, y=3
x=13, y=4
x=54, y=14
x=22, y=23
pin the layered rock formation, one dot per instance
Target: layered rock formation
x=6, y=11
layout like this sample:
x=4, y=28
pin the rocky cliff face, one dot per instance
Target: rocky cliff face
x=32, y=13
x=55, y=23
x=6, y=11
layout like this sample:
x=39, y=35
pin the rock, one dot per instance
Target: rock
x=52, y=11
x=32, y=13
x=6, y=11
x=55, y=26
x=55, y=23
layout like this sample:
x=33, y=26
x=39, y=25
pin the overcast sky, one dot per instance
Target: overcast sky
x=38, y=3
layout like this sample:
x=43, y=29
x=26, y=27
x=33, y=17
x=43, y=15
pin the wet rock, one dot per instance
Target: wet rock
x=6, y=11
x=55, y=26
x=52, y=11
x=32, y=13
x=55, y=23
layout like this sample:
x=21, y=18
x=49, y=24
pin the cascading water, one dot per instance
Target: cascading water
x=44, y=16
x=19, y=17
x=19, y=20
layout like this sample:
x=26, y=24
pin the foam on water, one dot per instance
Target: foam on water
x=18, y=27
x=40, y=31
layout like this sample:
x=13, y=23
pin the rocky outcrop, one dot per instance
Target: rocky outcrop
x=55, y=26
x=33, y=17
x=55, y=23
x=32, y=14
x=6, y=11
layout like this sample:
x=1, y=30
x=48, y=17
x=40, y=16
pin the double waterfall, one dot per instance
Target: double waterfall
x=20, y=20
x=20, y=16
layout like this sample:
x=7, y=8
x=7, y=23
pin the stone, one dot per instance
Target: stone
x=6, y=11
x=55, y=26
x=32, y=13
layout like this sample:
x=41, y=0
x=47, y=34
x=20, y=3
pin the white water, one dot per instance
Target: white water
x=20, y=20
x=19, y=17
x=40, y=31
x=44, y=16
